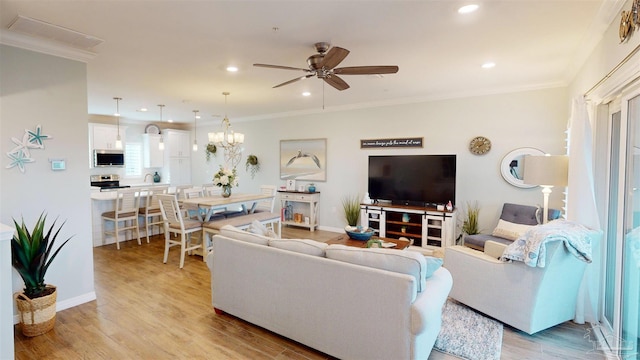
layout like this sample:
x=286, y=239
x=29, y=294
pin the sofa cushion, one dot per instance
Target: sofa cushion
x=400, y=261
x=509, y=230
x=305, y=246
x=235, y=233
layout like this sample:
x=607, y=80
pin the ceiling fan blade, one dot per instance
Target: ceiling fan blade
x=333, y=58
x=366, y=70
x=336, y=82
x=294, y=80
x=281, y=67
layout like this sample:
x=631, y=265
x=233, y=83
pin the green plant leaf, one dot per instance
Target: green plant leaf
x=31, y=253
x=351, y=207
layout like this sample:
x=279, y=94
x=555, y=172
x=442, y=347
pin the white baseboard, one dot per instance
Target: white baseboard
x=66, y=304
x=332, y=229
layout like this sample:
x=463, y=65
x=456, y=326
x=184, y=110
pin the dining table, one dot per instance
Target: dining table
x=208, y=204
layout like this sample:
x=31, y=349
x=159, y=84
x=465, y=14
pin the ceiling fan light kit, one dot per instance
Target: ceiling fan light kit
x=323, y=66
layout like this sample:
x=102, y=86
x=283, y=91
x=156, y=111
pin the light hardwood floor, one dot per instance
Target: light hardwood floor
x=150, y=310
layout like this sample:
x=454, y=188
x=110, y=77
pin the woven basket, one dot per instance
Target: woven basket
x=37, y=316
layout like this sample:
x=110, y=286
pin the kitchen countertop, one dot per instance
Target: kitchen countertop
x=96, y=194
x=109, y=195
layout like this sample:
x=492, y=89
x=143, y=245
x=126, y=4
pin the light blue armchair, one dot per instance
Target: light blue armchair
x=527, y=298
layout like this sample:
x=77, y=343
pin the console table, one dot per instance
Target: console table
x=301, y=202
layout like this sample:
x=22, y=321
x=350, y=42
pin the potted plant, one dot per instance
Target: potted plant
x=252, y=163
x=210, y=150
x=351, y=207
x=31, y=255
x=470, y=222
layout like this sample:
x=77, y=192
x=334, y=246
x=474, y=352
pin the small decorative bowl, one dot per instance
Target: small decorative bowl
x=362, y=236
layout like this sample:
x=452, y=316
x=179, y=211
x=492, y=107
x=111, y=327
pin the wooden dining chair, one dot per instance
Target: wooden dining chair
x=192, y=211
x=266, y=205
x=175, y=223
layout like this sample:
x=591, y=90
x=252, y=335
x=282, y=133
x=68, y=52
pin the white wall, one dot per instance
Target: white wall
x=39, y=89
x=605, y=57
x=526, y=119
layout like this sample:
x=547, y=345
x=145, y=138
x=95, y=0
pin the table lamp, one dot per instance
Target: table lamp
x=547, y=171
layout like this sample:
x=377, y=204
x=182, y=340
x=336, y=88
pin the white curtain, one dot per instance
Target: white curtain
x=581, y=205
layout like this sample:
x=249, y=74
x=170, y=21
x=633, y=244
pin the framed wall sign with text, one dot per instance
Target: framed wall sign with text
x=392, y=143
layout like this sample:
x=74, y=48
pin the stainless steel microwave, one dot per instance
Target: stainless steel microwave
x=108, y=158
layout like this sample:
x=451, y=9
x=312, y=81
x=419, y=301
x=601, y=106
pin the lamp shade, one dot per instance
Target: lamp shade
x=547, y=170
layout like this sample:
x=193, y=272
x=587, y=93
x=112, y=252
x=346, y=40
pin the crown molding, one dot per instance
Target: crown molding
x=48, y=47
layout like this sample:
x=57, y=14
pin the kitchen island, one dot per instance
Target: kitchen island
x=103, y=201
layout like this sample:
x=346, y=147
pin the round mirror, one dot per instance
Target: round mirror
x=512, y=166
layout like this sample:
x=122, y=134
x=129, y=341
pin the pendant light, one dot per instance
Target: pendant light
x=117, y=114
x=161, y=143
x=195, y=130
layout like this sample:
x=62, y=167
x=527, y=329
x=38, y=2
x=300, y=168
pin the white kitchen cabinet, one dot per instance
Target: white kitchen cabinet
x=104, y=136
x=177, y=155
x=178, y=143
x=179, y=171
x=152, y=156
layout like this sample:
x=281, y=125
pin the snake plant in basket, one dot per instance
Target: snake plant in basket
x=31, y=255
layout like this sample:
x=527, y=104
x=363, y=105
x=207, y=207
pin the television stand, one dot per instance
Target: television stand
x=427, y=227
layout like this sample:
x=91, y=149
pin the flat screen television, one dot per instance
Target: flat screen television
x=417, y=180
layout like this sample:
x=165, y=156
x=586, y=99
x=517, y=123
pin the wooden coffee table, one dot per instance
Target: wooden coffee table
x=344, y=239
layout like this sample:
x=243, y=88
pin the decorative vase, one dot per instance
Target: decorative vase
x=37, y=316
x=156, y=177
x=312, y=188
x=226, y=191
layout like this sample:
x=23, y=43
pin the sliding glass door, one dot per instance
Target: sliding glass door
x=631, y=225
x=612, y=270
x=620, y=307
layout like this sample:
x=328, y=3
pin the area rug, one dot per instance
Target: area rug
x=468, y=334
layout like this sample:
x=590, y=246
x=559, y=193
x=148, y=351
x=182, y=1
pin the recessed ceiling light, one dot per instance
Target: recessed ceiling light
x=142, y=109
x=468, y=9
x=488, y=65
x=232, y=68
x=306, y=93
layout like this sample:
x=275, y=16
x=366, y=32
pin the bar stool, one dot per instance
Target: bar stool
x=126, y=211
x=150, y=212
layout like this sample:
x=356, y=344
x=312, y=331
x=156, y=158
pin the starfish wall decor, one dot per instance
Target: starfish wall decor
x=21, y=154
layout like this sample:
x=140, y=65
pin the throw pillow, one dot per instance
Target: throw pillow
x=233, y=232
x=510, y=231
x=433, y=264
x=257, y=227
x=305, y=246
x=400, y=261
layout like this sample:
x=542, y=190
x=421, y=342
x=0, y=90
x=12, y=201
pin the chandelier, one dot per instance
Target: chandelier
x=230, y=141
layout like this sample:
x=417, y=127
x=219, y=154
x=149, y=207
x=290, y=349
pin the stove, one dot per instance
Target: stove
x=107, y=182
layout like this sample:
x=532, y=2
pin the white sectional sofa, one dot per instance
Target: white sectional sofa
x=299, y=289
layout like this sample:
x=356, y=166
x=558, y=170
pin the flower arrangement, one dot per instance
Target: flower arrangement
x=225, y=178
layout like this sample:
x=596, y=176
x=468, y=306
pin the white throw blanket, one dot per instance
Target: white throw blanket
x=530, y=247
